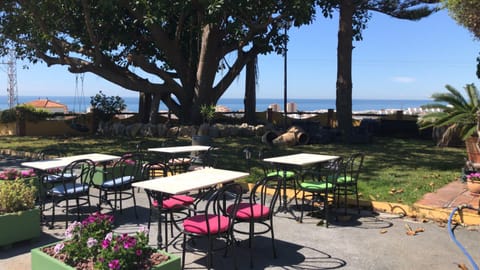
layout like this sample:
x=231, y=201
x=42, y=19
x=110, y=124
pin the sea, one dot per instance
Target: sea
x=76, y=104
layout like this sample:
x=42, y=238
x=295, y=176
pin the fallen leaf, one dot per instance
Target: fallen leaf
x=411, y=233
x=462, y=266
x=417, y=230
x=372, y=198
x=383, y=231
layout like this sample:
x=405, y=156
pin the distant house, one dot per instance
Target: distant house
x=48, y=105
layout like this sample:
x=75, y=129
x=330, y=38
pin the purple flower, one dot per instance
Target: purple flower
x=58, y=247
x=130, y=242
x=91, y=242
x=114, y=264
x=138, y=252
x=105, y=243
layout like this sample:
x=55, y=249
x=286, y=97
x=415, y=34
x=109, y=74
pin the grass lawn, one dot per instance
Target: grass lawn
x=395, y=170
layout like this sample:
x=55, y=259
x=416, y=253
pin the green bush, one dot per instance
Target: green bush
x=26, y=112
x=16, y=195
x=106, y=107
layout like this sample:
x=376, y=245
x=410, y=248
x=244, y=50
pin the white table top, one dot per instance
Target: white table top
x=180, y=149
x=64, y=161
x=184, y=182
x=302, y=159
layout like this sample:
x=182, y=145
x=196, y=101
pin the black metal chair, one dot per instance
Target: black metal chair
x=118, y=181
x=347, y=182
x=73, y=183
x=171, y=206
x=319, y=184
x=214, y=221
x=259, y=210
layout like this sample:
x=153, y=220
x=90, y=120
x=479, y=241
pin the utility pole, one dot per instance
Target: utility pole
x=12, y=89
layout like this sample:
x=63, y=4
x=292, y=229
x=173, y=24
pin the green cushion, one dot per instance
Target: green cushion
x=316, y=185
x=289, y=174
x=344, y=179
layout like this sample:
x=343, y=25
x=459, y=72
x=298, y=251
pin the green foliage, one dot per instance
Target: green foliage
x=16, y=195
x=456, y=113
x=466, y=13
x=207, y=112
x=23, y=112
x=106, y=107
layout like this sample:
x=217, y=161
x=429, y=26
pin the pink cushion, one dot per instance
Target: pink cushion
x=198, y=224
x=245, y=212
x=175, y=201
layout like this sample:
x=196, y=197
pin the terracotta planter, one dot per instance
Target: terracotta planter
x=43, y=261
x=473, y=187
x=26, y=224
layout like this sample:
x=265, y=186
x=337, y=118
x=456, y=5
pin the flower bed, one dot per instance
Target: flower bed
x=91, y=244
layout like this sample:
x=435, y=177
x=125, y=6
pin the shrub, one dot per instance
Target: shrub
x=16, y=195
x=106, y=107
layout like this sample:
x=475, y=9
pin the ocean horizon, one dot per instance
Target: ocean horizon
x=78, y=104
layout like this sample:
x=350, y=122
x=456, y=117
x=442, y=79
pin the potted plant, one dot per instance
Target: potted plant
x=202, y=137
x=473, y=183
x=17, y=208
x=91, y=244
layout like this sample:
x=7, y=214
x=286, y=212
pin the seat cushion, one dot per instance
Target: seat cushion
x=245, y=211
x=117, y=182
x=288, y=174
x=315, y=186
x=70, y=188
x=175, y=201
x=198, y=224
x=345, y=180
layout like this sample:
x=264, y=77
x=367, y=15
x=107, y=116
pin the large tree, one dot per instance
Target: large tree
x=168, y=51
x=353, y=18
x=467, y=14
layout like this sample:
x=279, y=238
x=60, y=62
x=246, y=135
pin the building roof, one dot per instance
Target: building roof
x=45, y=103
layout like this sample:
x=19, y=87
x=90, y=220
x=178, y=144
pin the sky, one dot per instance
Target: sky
x=397, y=59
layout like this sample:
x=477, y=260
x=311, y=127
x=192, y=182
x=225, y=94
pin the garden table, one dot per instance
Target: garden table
x=172, y=152
x=185, y=182
x=295, y=161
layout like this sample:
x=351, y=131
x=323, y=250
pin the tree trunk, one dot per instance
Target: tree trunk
x=344, y=69
x=154, y=109
x=251, y=76
x=144, y=107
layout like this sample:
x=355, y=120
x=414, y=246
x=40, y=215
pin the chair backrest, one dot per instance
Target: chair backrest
x=79, y=172
x=328, y=173
x=262, y=194
x=155, y=169
x=352, y=166
x=49, y=153
x=127, y=169
x=204, y=159
x=228, y=196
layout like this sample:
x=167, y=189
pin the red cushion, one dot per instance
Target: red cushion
x=245, y=211
x=198, y=224
x=175, y=201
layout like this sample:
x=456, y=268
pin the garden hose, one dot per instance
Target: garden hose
x=459, y=209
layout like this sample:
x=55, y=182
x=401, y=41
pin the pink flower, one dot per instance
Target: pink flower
x=138, y=252
x=105, y=244
x=91, y=242
x=109, y=236
x=114, y=264
x=58, y=247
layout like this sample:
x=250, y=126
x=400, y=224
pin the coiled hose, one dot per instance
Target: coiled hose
x=452, y=233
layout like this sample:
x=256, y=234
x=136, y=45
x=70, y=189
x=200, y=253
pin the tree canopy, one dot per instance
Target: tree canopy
x=170, y=51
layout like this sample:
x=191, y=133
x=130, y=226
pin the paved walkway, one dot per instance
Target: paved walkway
x=367, y=241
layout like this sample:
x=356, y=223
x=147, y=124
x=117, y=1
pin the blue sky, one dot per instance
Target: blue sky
x=397, y=59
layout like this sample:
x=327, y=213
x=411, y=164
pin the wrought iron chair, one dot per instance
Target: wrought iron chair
x=118, y=181
x=347, y=182
x=73, y=183
x=259, y=210
x=170, y=206
x=320, y=185
x=214, y=221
